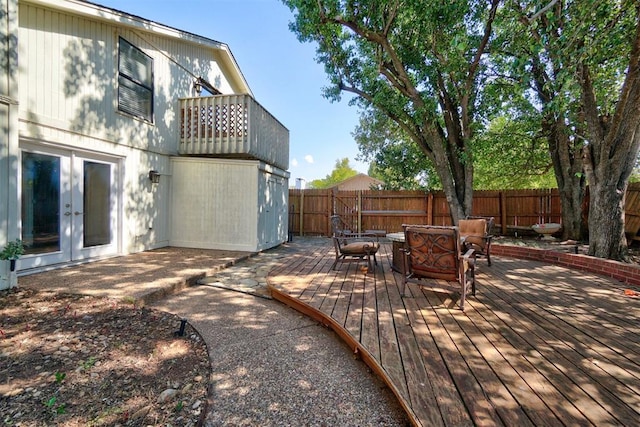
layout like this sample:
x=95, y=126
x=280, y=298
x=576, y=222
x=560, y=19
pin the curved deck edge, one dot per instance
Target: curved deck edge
x=355, y=346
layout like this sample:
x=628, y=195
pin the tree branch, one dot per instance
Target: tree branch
x=542, y=11
x=392, y=17
x=406, y=123
x=473, y=69
x=627, y=114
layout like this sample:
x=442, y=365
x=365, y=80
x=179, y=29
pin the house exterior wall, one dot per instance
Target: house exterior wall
x=72, y=103
x=68, y=78
x=227, y=204
x=8, y=130
x=58, y=97
x=273, y=206
x=358, y=182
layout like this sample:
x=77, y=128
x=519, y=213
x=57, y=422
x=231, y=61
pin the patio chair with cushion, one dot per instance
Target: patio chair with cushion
x=347, y=251
x=476, y=233
x=351, y=246
x=432, y=259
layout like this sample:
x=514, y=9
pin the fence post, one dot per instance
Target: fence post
x=359, y=201
x=330, y=204
x=503, y=213
x=430, y=208
x=301, y=213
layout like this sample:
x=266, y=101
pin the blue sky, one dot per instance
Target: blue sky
x=281, y=72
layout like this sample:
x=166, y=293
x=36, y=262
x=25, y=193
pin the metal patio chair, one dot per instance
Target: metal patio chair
x=432, y=259
x=476, y=232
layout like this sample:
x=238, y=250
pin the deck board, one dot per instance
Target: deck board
x=473, y=376
x=353, y=322
x=390, y=357
x=369, y=336
x=538, y=345
x=566, y=349
x=412, y=363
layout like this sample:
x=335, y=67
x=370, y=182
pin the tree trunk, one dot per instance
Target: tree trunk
x=568, y=169
x=606, y=222
x=459, y=193
x=614, y=143
x=571, y=199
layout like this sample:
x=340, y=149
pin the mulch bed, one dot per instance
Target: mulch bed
x=87, y=361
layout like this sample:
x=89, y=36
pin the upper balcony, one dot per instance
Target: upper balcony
x=233, y=126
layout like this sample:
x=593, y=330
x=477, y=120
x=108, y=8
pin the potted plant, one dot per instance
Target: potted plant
x=11, y=252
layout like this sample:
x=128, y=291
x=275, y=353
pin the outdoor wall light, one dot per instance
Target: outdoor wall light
x=197, y=86
x=154, y=177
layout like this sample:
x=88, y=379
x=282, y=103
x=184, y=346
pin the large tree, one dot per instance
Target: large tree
x=581, y=59
x=530, y=57
x=420, y=62
x=612, y=123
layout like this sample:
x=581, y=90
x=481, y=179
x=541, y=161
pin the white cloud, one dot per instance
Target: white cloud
x=294, y=162
x=308, y=158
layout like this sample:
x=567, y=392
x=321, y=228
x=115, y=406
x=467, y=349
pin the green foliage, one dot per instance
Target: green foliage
x=635, y=174
x=511, y=155
x=89, y=363
x=418, y=62
x=51, y=402
x=60, y=376
x=57, y=409
x=396, y=161
x=341, y=171
x=12, y=250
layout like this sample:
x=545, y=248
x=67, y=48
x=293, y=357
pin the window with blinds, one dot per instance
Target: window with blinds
x=135, y=81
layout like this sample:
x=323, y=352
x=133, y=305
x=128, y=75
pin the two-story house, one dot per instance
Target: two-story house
x=119, y=135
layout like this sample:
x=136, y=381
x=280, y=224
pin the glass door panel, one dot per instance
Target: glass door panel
x=97, y=204
x=45, y=208
x=40, y=203
x=95, y=207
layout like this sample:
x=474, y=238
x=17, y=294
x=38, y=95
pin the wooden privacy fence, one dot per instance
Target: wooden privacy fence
x=515, y=211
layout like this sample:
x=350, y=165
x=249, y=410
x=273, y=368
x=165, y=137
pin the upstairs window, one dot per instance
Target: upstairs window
x=135, y=81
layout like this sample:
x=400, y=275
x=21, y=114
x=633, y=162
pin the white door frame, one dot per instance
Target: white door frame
x=70, y=210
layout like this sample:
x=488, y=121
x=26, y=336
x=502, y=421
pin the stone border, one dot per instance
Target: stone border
x=625, y=273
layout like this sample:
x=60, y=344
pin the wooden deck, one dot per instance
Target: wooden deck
x=539, y=344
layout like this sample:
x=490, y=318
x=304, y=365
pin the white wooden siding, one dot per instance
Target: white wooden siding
x=67, y=97
x=214, y=204
x=68, y=76
x=228, y=204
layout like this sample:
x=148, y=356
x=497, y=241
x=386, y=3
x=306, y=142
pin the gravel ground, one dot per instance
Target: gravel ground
x=273, y=366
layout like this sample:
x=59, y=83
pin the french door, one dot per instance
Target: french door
x=69, y=206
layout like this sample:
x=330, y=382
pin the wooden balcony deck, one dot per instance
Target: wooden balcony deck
x=538, y=345
x=233, y=126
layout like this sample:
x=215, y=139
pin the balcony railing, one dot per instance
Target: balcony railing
x=232, y=126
